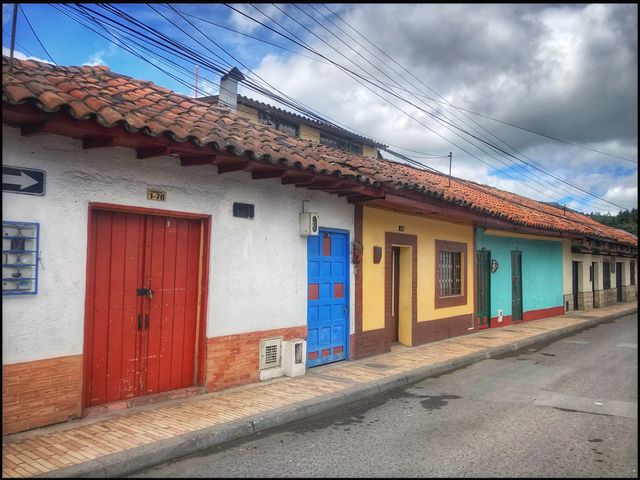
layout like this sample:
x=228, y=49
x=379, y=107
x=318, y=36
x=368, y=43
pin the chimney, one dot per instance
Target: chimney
x=228, y=96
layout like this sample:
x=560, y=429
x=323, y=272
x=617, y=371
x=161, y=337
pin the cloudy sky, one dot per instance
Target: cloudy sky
x=424, y=79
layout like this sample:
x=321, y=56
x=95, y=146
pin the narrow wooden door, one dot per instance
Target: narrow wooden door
x=141, y=317
x=594, y=270
x=516, y=286
x=574, y=283
x=483, y=278
x=619, y=281
x=395, y=294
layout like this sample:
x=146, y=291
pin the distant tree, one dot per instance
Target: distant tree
x=625, y=220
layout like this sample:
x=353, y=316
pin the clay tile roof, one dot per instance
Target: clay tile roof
x=140, y=106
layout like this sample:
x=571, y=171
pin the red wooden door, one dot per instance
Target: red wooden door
x=141, y=317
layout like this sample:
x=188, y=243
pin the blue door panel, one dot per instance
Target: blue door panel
x=328, y=309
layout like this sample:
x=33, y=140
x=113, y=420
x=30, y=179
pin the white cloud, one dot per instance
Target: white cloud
x=22, y=56
x=96, y=59
x=246, y=25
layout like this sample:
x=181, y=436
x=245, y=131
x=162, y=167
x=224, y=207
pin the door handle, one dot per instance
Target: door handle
x=144, y=292
x=139, y=322
x=346, y=312
x=146, y=321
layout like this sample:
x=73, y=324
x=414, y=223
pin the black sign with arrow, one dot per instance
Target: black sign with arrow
x=23, y=180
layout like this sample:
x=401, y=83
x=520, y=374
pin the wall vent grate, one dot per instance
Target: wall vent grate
x=270, y=353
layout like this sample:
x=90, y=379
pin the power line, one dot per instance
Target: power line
x=498, y=150
x=527, y=206
x=351, y=73
x=548, y=136
x=388, y=85
x=36, y=35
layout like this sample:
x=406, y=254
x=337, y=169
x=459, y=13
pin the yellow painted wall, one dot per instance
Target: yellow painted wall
x=309, y=133
x=374, y=225
x=248, y=113
x=368, y=151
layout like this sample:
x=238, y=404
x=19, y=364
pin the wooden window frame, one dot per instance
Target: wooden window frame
x=453, y=300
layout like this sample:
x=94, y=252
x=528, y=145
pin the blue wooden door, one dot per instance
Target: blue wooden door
x=328, y=297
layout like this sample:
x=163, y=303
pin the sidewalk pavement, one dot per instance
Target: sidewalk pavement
x=123, y=442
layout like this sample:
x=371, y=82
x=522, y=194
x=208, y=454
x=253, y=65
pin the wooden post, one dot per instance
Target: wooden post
x=13, y=36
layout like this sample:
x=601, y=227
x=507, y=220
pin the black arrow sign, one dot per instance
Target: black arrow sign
x=23, y=180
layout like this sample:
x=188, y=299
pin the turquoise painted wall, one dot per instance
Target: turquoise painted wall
x=541, y=272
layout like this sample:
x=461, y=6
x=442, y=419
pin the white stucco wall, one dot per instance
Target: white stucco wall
x=587, y=259
x=257, y=270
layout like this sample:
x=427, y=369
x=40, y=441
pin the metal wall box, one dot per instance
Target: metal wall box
x=20, y=246
x=243, y=210
x=309, y=223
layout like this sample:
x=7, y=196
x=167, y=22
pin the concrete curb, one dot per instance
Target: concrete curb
x=136, y=459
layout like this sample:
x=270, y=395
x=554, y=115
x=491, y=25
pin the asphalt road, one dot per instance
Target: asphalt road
x=563, y=409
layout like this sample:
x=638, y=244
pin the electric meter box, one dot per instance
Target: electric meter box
x=309, y=223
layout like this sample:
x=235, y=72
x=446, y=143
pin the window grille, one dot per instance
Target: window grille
x=450, y=278
x=285, y=127
x=340, y=143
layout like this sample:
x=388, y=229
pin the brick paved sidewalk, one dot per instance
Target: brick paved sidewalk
x=47, y=450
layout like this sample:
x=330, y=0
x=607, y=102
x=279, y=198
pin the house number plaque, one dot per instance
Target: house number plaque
x=158, y=195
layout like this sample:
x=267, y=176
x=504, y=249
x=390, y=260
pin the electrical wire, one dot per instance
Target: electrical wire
x=527, y=206
x=351, y=73
x=530, y=164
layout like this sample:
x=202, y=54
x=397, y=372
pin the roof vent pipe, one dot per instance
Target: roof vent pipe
x=228, y=97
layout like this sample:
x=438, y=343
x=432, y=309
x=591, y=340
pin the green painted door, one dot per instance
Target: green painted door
x=483, y=272
x=516, y=286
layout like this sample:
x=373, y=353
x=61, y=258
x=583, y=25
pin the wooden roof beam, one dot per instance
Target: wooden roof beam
x=191, y=160
x=260, y=171
x=31, y=127
x=231, y=163
x=98, y=141
x=320, y=183
x=291, y=178
x=153, y=151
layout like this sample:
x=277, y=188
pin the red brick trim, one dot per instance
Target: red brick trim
x=506, y=320
x=434, y=330
x=234, y=360
x=369, y=343
x=529, y=316
x=543, y=313
x=449, y=246
x=400, y=239
x=41, y=393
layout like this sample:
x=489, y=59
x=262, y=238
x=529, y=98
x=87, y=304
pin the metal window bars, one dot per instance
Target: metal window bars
x=450, y=278
x=20, y=246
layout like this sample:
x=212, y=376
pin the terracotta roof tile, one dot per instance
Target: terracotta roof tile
x=17, y=93
x=141, y=106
